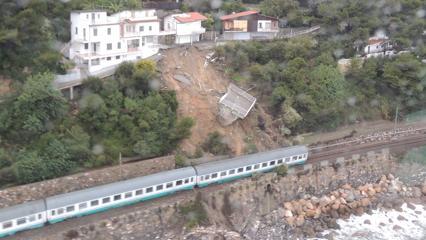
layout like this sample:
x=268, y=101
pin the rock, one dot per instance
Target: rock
x=324, y=201
x=334, y=214
x=332, y=198
x=309, y=205
x=383, y=178
x=288, y=206
x=290, y=221
x=424, y=188
x=401, y=218
x=315, y=200
x=367, y=221
x=335, y=206
x=382, y=224
x=418, y=212
x=411, y=206
x=390, y=176
x=371, y=192
x=347, y=187
x=365, y=202
x=359, y=211
x=350, y=197
x=353, y=205
x=397, y=203
x=300, y=220
x=396, y=227
x=310, y=213
x=288, y=213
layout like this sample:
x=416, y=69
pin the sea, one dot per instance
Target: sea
x=408, y=224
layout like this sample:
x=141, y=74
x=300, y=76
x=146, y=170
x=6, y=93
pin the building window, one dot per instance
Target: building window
x=141, y=28
x=260, y=25
x=109, y=31
x=148, y=190
x=150, y=39
x=138, y=192
x=108, y=59
x=240, y=170
x=95, y=32
x=7, y=225
x=117, y=57
x=109, y=46
x=82, y=205
x=70, y=208
x=106, y=200
x=76, y=30
x=95, y=62
x=150, y=28
x=169, y=185
x=128, y=195
x=119, y=45
x=87, y=16
x=21, y=221
x=159, y=187
x=86, y=46
x=99, y=16
x=94, y=203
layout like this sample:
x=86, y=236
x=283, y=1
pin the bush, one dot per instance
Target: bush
x=179, y=160
x=194, y=213
x=281, y=170
x=215, y=145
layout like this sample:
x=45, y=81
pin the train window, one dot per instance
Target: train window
x=32, y=218
x=7, y=225
x=264, y=164
x=256, y=166
x=272, y=163
x=287, y=159
x=94, y=203
x=39, y=216
x=294, y=158
x=82, y=205
x=117, y=197
x=280, y=161
x=70, y=208
x=21, y=221
x=60, y=211
x=169, y=185
x=300, y=156
x=223, y=174
x=159, y=187
x=207, y=177
x=138, y=192
x=240, y=170
x=214, y=175
x=128, y=195
x=53, y=212
x=232, y=171
x=192, y=179
x=186, y=181
x=248, y=168
x=106, y=200
x=148, y=190
x=178, y=182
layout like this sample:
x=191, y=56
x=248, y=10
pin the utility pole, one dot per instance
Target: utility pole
x=121, y=165
x=396, y=119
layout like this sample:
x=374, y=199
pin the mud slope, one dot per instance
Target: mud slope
x=199, y=97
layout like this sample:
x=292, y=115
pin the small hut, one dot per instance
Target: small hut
x=236, y=103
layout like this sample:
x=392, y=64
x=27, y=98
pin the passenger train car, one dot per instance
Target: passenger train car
x=91, y=200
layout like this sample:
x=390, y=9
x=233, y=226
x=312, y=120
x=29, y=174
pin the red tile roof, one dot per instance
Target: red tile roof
x=192, y=17
x=240, y=14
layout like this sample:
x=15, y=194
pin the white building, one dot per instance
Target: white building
x=185, y=26
x=100, y=42
x=378, y=46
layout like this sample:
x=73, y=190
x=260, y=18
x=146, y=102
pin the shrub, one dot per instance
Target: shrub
x=281, y=170
x=179, y=160
x=194, y=213
x=215, y=145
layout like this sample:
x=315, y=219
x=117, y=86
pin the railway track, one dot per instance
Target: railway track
x=51, y=231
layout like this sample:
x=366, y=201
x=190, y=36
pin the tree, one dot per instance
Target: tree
x=215, y=144
x=233, y=6
x=278, y=8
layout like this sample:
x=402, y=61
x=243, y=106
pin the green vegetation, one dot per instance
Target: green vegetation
x=194, y=213
x=215, y=144
x=43, y=136
x=417, y=155
x=281, y=170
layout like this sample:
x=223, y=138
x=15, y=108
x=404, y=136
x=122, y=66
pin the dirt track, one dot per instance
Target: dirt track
x=199, y=100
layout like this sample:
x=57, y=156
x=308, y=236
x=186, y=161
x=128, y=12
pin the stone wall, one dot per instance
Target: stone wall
x=237, y=206
x=16, y=195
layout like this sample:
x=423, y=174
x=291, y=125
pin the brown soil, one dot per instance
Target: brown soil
x=199, y=100
x=4, y=85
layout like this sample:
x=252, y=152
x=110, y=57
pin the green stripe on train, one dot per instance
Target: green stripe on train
x=22, y=229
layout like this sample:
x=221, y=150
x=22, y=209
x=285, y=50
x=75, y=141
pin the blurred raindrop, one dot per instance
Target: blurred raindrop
x=98, y=149
x=351, y=101
x=215, y=4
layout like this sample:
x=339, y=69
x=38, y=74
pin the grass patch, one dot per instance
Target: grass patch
x=194, y=213
x=417, y=155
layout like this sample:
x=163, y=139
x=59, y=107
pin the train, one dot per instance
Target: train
x=50, y=210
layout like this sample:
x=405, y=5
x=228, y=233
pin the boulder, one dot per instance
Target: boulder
x=310, y=213
x=334, y=214
x=411, y=206
x=290, y=221
x=365, y=202
x=315, y=200
x=309, y=205
x=347, y=186
x=288, y=206
x=396, y=228
x=383, y=178
x=353, y=205
x=359, y=211
x=300, y=220
x=371, y=192
x=324, y=201
x=401, y=218
x=336, y=205
x=288, y=213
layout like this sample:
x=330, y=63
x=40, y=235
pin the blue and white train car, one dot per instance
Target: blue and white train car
x=100, y=198
x=243, y=166
x=23, y=216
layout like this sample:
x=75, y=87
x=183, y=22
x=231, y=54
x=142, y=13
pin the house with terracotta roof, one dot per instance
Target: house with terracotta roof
x=249, y=25
x=379, y=46
x=186, y=27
